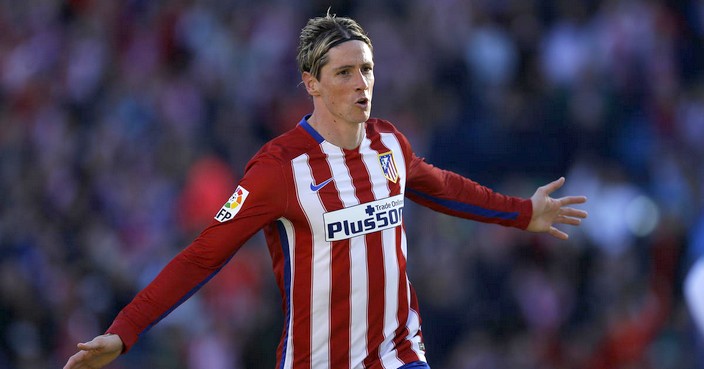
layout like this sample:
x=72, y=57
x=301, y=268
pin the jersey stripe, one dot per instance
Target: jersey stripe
x=467, y=208
x=285, y=229
x=309, y=316
x=391, y=266
x=359, y=300
x=414, y=323
x=376, y=306
x=340, y=305
x=320, y=301
x=343, y=179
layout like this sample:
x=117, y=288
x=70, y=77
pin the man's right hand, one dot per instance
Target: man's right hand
x=97, y=353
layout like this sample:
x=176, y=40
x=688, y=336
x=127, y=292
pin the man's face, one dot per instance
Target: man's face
x=346, y=83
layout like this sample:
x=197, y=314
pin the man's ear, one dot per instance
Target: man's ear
x=311, y=83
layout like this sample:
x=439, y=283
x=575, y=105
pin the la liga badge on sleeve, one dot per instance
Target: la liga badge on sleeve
x=233, y=205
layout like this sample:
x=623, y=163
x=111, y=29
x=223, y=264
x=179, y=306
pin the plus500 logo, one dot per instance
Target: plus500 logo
x=364, y=218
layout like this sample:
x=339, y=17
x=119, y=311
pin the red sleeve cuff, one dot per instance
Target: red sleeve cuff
x=122, y=328
x=525, y=214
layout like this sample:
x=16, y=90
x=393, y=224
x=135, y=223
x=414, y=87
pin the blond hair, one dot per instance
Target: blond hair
x=322, y=34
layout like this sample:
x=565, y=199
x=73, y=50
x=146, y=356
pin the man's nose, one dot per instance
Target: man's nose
x=361, y=80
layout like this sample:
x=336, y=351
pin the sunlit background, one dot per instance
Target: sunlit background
x=124, y=126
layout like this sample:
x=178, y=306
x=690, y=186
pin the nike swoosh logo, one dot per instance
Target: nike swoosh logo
x=315, y=188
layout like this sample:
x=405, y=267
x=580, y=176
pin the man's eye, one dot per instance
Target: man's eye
x=343, y=73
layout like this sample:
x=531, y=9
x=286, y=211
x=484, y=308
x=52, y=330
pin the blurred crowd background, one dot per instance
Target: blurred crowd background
x=124, y=126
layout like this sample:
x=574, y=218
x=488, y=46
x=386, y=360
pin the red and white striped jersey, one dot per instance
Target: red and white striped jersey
x=333, y=220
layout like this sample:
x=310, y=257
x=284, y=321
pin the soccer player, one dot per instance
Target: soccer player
x=329, y=195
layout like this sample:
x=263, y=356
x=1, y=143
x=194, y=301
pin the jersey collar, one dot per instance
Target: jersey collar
x=311, y=131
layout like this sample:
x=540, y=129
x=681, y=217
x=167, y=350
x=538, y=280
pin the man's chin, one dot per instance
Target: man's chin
x=366, y=115
x=359, y=116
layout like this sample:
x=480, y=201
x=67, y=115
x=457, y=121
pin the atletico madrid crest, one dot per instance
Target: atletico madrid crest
x=388, y=166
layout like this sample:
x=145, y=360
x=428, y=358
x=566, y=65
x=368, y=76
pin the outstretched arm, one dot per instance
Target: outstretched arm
x=97, y=353
x=548, y=211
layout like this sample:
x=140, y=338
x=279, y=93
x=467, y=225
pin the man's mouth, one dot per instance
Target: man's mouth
x=363, y=102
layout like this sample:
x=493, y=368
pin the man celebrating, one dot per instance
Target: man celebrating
x=329, y=195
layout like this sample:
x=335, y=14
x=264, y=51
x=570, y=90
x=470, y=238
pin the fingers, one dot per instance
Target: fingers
x=558, y=233
x=76, y=361
x=574, y=213
x=572, y=200
x=567, y=216
x=90, y=345
x=86, y=346
x=86, y=350
x=97, y=353
x=564, y=201
x=549, y=211
x=568, y=220
x=553, y=186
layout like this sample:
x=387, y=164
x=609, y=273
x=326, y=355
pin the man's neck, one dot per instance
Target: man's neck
x=341, y=134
